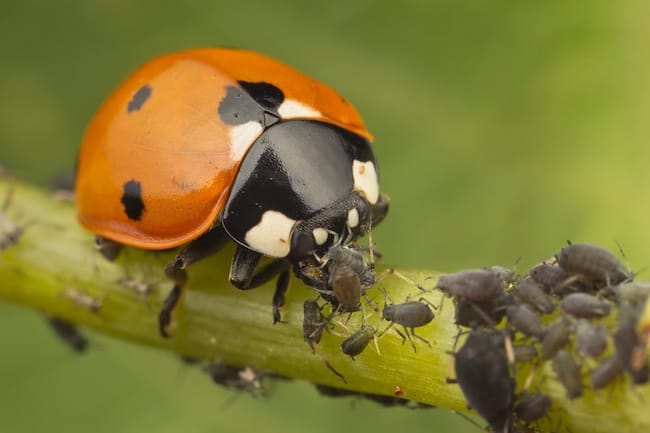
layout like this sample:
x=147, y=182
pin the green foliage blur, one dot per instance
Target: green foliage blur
x=502, y=130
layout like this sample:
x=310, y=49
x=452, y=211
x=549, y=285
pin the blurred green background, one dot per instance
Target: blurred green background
x=502, y=129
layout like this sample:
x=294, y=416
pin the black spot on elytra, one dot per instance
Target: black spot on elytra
x=139, y=98
x=256, y=102
x=265, y=94
x=132, y=200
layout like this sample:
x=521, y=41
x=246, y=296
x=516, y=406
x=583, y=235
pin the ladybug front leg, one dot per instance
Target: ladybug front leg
x=202, y=247
x=244, y=277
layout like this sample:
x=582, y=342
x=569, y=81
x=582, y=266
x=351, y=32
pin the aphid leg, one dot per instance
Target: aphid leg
x=417, y=336
x=374, y=338
x=426, y=301
x=316, y=348
x=370, y=302
x=390, y=325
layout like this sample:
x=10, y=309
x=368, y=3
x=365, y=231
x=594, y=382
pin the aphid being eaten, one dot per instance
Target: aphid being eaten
x=349, y=275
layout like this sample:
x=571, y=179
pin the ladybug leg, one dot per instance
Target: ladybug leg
x=244, y=277
x=281, y=288
x=202, y=247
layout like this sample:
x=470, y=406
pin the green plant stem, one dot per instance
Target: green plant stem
x=55, y=257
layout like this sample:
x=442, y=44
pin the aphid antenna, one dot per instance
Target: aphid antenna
x=392, y=271
x=319, y=354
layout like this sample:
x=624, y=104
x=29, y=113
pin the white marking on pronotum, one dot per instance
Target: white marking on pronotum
x=291, y=109
x=353, y=217
x=365, y=180
x=241, y=138
x=320, y=235
x=271, y=236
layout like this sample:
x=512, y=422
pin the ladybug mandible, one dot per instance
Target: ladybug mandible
x=202, y=146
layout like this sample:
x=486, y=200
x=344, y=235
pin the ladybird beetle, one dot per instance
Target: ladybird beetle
x=206, y=145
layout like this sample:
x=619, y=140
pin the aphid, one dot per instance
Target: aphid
x=139, y=287
x=313, y=322
x=411, y=315
x=606, y=372
x=568, y=373
x=533, y=407
x=349, y=275
x=526, y=321
x=483, y=373
x=593, y=263
x=626, y=340
x=246, y=379
x=556, y=337
x=507, y=275
x=68, y=333
x=549, y=276
x=82, y=300
x=346, y=287
x=478, y=285
x=474, y=314
x=525, y=353
x=357, y=342
x=585, y=306
x=591, y=340
x=353, y=258
x=531, y=294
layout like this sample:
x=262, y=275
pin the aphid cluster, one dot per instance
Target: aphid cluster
x=342, y=278
x=578, y=312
